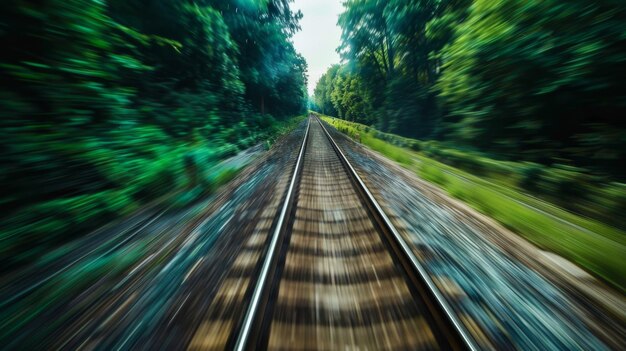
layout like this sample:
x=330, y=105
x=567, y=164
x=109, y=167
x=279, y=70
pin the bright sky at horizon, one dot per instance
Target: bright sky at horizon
x=320, y=36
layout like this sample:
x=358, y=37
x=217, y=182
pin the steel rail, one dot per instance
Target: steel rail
x=251, y=313
x=459, y=328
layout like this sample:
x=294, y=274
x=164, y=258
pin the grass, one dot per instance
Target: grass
x=592, y=245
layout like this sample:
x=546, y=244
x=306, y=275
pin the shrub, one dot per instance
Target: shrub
x=531, y=174
x=415, y=145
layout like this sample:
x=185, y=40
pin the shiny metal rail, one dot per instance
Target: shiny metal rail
x=437, y=305
x=262, y=282
x=415, y=266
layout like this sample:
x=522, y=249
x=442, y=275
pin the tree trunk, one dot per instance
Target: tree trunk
x=390, y=53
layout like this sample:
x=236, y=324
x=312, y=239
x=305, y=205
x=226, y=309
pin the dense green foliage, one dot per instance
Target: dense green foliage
x=103, y=102
x=499, y=189
x=542, y=81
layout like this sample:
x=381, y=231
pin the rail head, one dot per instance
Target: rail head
x=255, y=302
x=464, y=335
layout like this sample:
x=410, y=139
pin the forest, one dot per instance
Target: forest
x=103, y=101
x=538, y=81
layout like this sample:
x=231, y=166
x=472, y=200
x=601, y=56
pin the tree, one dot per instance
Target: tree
x=99, y=100
x=539, y=80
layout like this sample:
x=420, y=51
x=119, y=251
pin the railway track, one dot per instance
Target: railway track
x=335, y=273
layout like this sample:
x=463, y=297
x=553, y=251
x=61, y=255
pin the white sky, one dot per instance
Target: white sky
x=319, y=37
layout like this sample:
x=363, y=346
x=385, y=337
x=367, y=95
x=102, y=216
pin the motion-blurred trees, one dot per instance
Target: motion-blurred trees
x=543, y=79
x=100, y=100
x=536, y=80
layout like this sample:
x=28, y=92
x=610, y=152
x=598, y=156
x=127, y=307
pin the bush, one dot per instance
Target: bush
x=567, y=185
x=531, y=174
x=110, y=176
x=415, y=145
x=158, y=176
